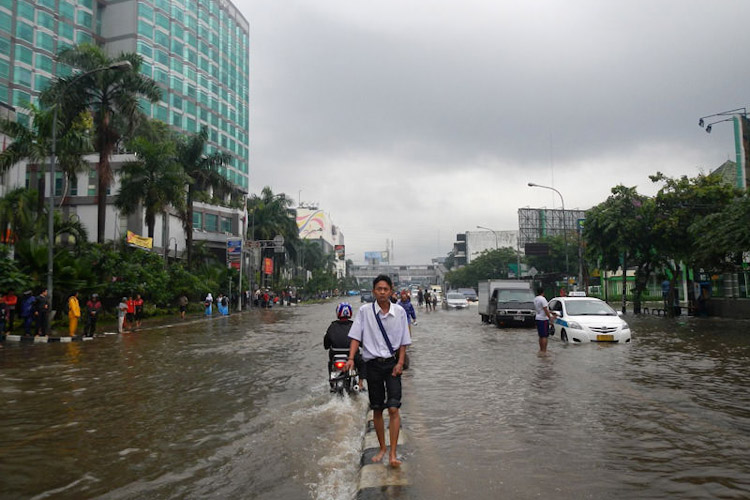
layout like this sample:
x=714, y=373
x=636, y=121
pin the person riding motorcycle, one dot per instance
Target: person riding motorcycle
x=337, y=336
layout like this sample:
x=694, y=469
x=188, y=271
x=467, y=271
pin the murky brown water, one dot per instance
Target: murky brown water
x=238, y=408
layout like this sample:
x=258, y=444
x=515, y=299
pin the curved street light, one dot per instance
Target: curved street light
x=565, y=232
x=118, y=66
x=493, y=231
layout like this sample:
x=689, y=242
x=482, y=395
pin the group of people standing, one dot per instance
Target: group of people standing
x=32, y=309
x=129, y=314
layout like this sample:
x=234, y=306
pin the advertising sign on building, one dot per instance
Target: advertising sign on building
x=340, y=252
x=268, y=265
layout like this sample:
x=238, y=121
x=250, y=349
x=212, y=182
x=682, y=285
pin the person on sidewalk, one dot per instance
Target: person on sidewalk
x=183, y=302
x=130, y=314
x=93, y=308
x=74, y=313
x=122, y=310
x=381, y=328
x=27, y=311
x=41, y=314
x=3, y=312
x=12, y=302
x=138, y=310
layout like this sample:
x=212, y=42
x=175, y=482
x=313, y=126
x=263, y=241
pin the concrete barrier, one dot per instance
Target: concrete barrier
x=379, y=480
x=42, y=340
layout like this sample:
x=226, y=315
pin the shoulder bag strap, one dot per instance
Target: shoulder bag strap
x=382, y=330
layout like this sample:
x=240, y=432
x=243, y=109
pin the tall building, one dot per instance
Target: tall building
x=197, y=52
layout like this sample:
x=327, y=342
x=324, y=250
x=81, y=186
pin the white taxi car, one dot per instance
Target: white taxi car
x=587, y=319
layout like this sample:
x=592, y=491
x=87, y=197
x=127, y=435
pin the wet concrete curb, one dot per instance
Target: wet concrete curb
x=42, y=340
x=78, y=338
x=379, y=480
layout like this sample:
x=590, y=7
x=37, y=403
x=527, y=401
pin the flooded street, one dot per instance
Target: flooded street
x=239, y=407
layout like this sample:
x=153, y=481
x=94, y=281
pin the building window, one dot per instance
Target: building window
x=45, y=41
x=212, y=223
x=197, y=220
x=25, y=31
x=67, y=10
x=58, y=183
x=145, y=11
x=40, y=82
x=162, y=113
x=20, y=98
x=25, y=10
x=74, y=185
x=65, y=31
x=43, y=62
x=5, y=22
x=45, y=20
x=83, y=37
x=92, y=183
x=85, y=19
x=226, y=224
x=4, y=72
x=145, y=29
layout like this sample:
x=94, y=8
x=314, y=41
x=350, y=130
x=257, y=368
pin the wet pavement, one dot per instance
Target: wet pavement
x=238, y=407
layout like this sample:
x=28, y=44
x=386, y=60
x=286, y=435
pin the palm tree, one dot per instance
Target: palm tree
x=33, y=143
x=203, y=173
x=18, y=216
x=112, y=96
x=155, y=180
x=272, y=215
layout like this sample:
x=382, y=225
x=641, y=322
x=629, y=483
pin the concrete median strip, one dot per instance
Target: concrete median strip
x=379, y=479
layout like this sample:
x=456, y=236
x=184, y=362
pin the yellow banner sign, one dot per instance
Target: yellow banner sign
x=137, y=240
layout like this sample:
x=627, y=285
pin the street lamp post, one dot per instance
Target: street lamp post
x=518, y=253
x=493, y=231
x=119, y=65
x=565, y=228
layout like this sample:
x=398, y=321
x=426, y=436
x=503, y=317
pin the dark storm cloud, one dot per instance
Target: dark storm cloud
x=444, y=86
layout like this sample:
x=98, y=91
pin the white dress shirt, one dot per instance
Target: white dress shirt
x=365, y=329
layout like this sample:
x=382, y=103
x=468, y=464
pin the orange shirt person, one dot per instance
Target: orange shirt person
x=74, y=312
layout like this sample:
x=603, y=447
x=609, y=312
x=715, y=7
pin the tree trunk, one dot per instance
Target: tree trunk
x=150, y=223
x=101, y=203
x=189, y=227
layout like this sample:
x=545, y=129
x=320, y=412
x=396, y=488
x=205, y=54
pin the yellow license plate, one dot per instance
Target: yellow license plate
x=605, y=338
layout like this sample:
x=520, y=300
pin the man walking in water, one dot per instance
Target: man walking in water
x=543, y=317
x=381, y=328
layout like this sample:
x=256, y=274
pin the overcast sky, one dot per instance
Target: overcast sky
x=414, y=120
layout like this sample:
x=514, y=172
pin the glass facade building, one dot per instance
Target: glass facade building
x=196, y=50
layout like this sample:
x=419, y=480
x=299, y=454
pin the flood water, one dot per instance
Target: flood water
x=238, y=407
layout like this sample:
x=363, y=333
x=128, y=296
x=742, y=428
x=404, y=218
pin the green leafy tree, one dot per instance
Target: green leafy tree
x=154, y=180
x=722, y=238
x=491, y=264
x=111, y=96
x=203, y=173
x=619, y=233
x=33, y=143
x=554, y=263
x=679, y=204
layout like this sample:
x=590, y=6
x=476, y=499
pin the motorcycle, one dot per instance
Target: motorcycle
x=340, y=379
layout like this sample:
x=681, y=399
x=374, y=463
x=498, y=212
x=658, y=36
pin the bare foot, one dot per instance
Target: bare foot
x=377, y=458
x=395, y=462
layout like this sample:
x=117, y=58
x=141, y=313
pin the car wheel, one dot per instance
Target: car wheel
x=563, y=336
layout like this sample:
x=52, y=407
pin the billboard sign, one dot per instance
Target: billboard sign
x=340, y=252
x=268, y=265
